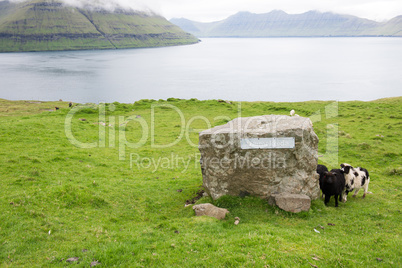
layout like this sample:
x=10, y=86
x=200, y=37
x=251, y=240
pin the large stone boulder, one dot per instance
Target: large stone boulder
x=260, y=156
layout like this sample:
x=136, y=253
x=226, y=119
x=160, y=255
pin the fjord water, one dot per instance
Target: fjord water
x=259, y=69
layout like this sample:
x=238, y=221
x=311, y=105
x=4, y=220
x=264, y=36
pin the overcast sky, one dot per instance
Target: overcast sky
x=211, y=10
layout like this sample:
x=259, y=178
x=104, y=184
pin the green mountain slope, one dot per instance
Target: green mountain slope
x=41, y=25
x=277, y=23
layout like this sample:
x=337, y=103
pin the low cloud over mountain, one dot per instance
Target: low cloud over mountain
x=109, y=5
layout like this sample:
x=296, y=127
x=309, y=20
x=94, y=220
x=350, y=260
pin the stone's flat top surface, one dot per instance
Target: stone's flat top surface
x=289, y=196
x=268, y=143
x=263, y=124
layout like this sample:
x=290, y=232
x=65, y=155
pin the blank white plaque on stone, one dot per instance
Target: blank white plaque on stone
x=268, y=143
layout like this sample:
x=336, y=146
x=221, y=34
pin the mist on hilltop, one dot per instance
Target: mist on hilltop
x=110, y=5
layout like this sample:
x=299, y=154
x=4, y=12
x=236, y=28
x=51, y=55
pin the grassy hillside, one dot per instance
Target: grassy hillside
x=390, y=28
x=60, y=201
x=41, y=25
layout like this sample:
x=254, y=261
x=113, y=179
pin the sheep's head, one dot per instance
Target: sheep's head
x=350, y=174
x=329, y=177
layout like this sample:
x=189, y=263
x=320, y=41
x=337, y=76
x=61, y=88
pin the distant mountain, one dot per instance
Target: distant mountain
x=390, y=28
x=277, y=23
x=42, y=25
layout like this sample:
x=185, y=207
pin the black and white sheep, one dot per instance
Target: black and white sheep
x=333, y=184
x=355, y=179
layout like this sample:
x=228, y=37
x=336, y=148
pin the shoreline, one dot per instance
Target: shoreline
x=34, y=101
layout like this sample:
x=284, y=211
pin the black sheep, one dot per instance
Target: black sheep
x=333, y=183
x=320, y=170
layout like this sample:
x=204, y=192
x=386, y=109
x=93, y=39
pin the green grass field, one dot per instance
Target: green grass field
x=111, y=202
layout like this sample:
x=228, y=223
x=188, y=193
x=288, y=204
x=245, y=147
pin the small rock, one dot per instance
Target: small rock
x=94, y=263
x=11, y=203
x=74, y=259
x=210, y=210
x=236, y=222
x=293, y=202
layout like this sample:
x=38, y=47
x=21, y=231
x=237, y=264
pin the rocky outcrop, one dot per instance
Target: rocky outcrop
x=260, y=156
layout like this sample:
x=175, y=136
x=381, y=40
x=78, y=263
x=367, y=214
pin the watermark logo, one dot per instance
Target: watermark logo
x=170, y=162
x=112, y=133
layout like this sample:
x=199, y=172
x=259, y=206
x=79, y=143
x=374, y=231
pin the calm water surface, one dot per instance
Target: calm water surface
x=274, y=69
